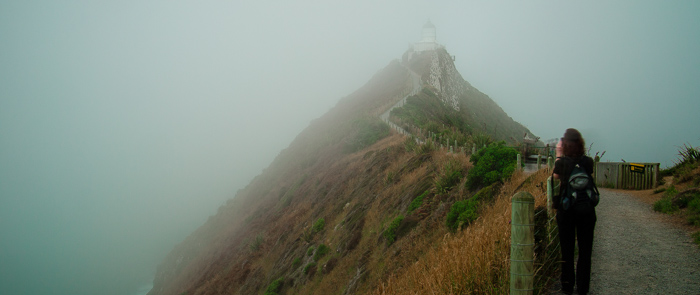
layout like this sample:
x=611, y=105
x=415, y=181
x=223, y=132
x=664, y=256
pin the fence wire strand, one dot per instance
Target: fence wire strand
x=546, y=249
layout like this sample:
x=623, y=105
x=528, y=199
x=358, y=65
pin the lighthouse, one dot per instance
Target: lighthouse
x=428, y=41
x=428, y=34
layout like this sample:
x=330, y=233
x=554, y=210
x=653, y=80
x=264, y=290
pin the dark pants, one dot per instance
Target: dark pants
x=572, y=226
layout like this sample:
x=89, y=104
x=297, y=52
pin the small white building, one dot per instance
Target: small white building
x=428, y=41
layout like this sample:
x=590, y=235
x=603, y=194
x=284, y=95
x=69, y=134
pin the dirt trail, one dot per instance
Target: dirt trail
x=415, y=78
x=638, y=251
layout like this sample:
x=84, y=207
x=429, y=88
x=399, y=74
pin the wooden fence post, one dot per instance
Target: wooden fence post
x=539, y=161
x=522, y=242
x=519, y=163
x=550, y=194
x=656, y=175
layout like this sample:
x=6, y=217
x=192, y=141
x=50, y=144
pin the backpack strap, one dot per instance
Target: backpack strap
x=591, y=179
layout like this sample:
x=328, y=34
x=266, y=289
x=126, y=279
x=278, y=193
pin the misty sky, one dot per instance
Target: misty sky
x=124, y=125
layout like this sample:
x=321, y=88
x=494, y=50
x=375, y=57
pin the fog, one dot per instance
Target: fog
x=124, y=125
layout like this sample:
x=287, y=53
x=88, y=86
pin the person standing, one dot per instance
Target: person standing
x=575, y=223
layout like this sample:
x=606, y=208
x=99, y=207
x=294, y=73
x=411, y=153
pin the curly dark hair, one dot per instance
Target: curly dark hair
x=573, y=144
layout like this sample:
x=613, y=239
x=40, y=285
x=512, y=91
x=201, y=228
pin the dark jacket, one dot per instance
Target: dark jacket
x=563, y=167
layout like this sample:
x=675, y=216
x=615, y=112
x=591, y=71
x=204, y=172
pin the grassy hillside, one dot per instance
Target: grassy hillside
x=350, y=206
x=476, y=115
x=681, y=190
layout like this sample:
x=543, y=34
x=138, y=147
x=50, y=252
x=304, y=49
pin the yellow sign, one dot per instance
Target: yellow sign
x=637, y=168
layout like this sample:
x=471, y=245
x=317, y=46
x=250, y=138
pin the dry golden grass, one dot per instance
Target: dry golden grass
x=475, y=260
x=427, y=260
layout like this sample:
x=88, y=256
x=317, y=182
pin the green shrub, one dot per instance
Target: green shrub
x=450, y=175
x=462, y=212
x=274, y=287
x=390, y=232
x=488, y=193
x=296, y=262
x=492, y=164
x=671, y=191
x=665, y=205
x=318, y=225
x=321, y=251
x=694, y=211
x=417, y=202
x=310, y=251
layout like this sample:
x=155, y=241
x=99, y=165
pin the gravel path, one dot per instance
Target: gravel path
x=637, y=251
x=416, y=88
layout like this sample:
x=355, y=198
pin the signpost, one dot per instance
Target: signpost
x=637, y=168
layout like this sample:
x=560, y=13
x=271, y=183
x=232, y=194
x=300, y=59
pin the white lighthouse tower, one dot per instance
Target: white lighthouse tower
x=428, y=34
x=427, y=41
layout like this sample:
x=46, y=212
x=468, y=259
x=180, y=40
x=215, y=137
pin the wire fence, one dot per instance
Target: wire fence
x=546, y=250
x=534, y=243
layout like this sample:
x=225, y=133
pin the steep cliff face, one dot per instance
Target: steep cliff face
x=335, y=212
x=479, y=112
x=444, y=78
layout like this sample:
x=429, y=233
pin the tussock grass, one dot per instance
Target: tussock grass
x=349, y=192
x=475, y=260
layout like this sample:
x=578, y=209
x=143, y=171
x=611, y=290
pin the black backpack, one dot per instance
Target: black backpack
x=581, y=192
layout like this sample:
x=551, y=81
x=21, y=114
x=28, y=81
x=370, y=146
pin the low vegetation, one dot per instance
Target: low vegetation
x=474, y=260
x=319, y=225
x=274, y=287
x=427, y=112
x=367, y=131
x=666, y=204
x=682, y=198
x=492, y=164
x=449, y=176
x=321, y=251
x=296, y=263
x=417, y=202
x=390, y=232
x=464, y=212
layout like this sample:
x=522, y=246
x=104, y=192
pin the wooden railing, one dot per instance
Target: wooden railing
x=624, y=175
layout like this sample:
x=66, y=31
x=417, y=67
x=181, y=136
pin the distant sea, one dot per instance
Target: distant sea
x=143, y=290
